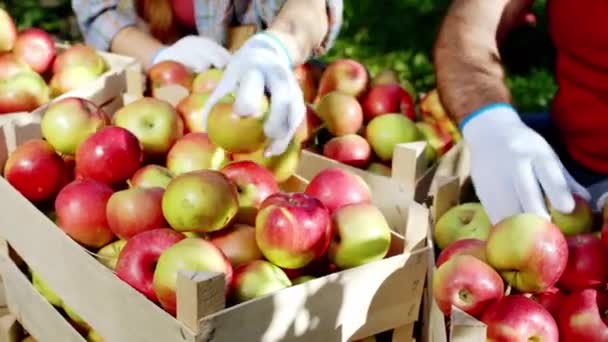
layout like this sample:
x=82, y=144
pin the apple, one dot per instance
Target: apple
x=257, y=279
x=388, y=98
x=71, y=78
x=304, y=74
x=440, y=142
x=551, y=299
x=362, y=235
x=23, y=92
x=151, y=176
x=238, y=244
x=108, y=254
x=384, y=132
x=80, y=55
x=473, y=247
x=45, y=291
x=529, y=251
x=582, y=316
x=302, y=279
x=190, y=109
x=341, y=113
x=345, y=75
x=518, y=318
x=206, y=81
x=138, y=259
x=94, y=336
x=577, y=222
x=386, y=76
x=193, y=152
x=336, y=187
x=154, y=122
x=66, y=123
x=36, y=170
x=10, y=65
x=8, y=32
x=430, y=105
x=308, y=127
x=79, y=324
x=587, y=263
x=135, y=210
x=293, y=229
x=467, y=220
x=380, y=169
x=200, y=201
x=168, y=73
x=467, y=283
x=191, y=254
x=36, y=48
x=282, y=166
x=81, y=212
x=350, y=149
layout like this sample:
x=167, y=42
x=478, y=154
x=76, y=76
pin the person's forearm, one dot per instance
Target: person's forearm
x=301, y=25
x=136, y=43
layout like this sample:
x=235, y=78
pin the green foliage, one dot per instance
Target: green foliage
x=56, y=17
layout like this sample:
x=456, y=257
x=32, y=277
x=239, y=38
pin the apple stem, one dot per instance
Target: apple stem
x=508, y=290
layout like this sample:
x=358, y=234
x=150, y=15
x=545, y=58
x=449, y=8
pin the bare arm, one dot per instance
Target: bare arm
x=467, y=61
x=136, y=43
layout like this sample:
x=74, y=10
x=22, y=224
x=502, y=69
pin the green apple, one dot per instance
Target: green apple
x=45, y=291
x=207, y=80
x=193, y=152
x=257, y=279
x=76, y=319
x=386, y=131
x=108, y=255
x=577, y=222
x=151, y=176
x=464, y=221
x=71, y=78
x=93, y=336
x=282, y=166
x=380, y=169
x=302, y=279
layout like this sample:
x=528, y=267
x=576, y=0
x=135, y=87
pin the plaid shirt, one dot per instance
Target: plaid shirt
x=101, y=20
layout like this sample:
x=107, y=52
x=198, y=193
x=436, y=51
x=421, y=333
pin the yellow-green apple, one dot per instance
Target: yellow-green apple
x=36, y=170
x=293, y=229
x=206, y=81
x=108, y=254
x=282, y=166
x=582, y=316
x=151, y=176
x=344, y=75
x=430, y=105
x=235, y=133
x=169, y=73
x=341, y=113
x=439, y=141
x=10, y=66
x=193, y=152
x=388, y=98
x=257, y=279
x=519, y=318
x=79, y=324
x=380, y=169
x=8, y=32
x=71, y=78
x=577, y=222
x=190, y=254
x=94, y=336
x=467, y=220
x=254, y=184
x=138, y=259
x=350, y=149
x=362, y=235
x=238, y=244
x=200, y=201
x=154, y=122
x=45, y=291
x=304, y=74
x=81, y=212
x=36, y=48
x=80, y=55
x=473, y=247
x=135, y=210
x=467, y=283
x=23, y=92
x=66, y=123
x=308, y=127
x=529, y=252
x=336, y=187
x=190, y=109
x=302, y=279
x=110, y=155
x=386, y=76
x=551, y=299
x=384, y=132
x=587, y=263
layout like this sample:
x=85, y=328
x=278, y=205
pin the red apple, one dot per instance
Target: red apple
x=194, y=151
x=10, y=65
x=36, y=170
x=190, y=109
x=168, y=73
x=582, y=316
x=551, y=300
x=238, y=244
x=36, y=48
x=304, y=74
x=81, y=212
x=439, y=141
x=468, y=284
x=344, y=75
x=8, y=32
x=135, y=210
x=518, y=318
x=388, y=98
x=151, y=176
x=341, y=113
x=206, y=81
x=293, y=229
x=258, y=279
x=384, y=132
x=282, y=166
x=111, y=155
x=351, y=149
x=336, y=187
x=71, y=78
x=473, y=247
x=307, y=128
x=587, y=263
x=80, y=55
x=137, y=260
x=23, y=92
x=183, y=10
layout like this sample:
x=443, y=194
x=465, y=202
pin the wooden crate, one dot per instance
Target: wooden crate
x=347, y=305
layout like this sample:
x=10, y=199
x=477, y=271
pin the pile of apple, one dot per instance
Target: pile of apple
x=151, y=201
x=32, y=71
x=528, y=278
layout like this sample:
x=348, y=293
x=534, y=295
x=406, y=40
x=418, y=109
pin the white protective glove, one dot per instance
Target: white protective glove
x=263, y=63
x=196, y=53
x=510, y=163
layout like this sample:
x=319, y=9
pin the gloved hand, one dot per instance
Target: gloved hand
x=510, y=163
x=263, y=62
x=196, y=53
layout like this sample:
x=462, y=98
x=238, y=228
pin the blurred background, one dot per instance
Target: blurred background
x=390, y=33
